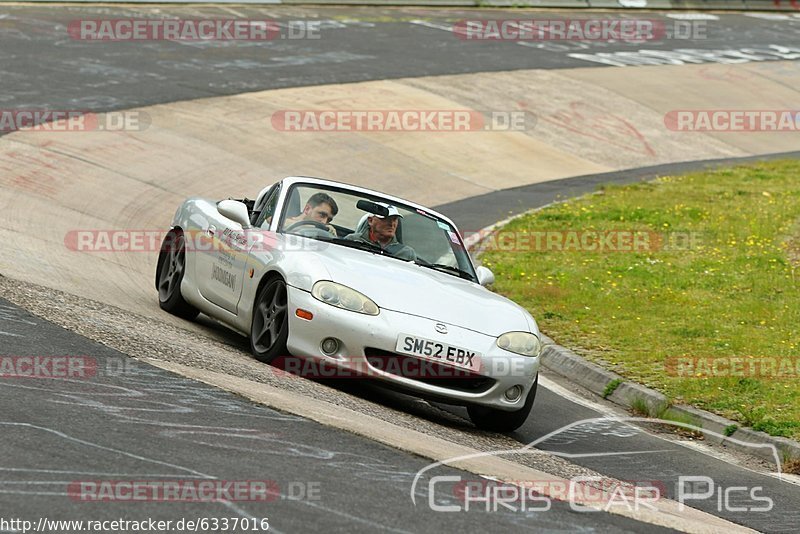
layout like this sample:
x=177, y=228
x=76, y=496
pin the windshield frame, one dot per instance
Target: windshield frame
x=288, y=189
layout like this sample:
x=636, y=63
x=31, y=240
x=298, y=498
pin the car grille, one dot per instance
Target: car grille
x=432, y=373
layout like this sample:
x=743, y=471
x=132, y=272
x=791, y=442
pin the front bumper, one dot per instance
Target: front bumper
x=365, y=340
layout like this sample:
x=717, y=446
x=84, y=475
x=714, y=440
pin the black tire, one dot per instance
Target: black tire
x=169, y=275
x=495, y=420
x=269, y=329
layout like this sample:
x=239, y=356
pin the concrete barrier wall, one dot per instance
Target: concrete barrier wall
x=588, y=121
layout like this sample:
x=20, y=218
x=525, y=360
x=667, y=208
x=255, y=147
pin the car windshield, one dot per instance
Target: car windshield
x=342, y=217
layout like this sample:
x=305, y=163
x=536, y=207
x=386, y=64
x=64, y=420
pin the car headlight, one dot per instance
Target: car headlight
x=523, y=343
x=343, y=297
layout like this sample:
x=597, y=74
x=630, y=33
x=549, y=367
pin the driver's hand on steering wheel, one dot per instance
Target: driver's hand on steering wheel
x=308, y=222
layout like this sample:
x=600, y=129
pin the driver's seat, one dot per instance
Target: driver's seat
x=294, y=209
x=362, y=225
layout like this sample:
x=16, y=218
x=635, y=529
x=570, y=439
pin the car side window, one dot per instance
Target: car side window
x=270, y=203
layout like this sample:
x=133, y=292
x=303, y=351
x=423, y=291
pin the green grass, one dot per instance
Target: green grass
x=611, y=387
x=726, y=284
x=664, y=412
x=640, y=407
x=730, y=430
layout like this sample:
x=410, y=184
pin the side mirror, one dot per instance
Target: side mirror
x=485, y=275
x=235, y=211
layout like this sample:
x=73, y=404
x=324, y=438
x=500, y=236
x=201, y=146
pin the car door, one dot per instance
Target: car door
x=220, y=265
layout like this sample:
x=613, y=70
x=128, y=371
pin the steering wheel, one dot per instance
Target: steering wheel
x=316, y=224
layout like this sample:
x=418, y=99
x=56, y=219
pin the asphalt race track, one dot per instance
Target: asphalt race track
x=134, y=421
x=43, y=67
x=146, y=423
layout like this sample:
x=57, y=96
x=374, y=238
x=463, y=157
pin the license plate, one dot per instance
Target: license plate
x=437, y=351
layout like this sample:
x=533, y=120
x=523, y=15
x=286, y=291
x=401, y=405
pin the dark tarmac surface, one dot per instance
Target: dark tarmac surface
x=43, y=68
x=115, y=420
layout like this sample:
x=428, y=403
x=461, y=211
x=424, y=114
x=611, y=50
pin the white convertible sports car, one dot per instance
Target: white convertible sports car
x=332, y=274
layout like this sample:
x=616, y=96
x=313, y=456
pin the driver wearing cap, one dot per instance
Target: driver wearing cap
x=381, y=230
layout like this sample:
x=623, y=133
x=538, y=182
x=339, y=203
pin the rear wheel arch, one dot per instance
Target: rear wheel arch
x=174, y=231
x=168, y=285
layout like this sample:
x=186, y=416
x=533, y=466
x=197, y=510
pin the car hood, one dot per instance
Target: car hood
x=405, y=287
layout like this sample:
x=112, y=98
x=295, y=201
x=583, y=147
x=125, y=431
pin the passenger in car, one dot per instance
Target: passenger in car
x=382, y=231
